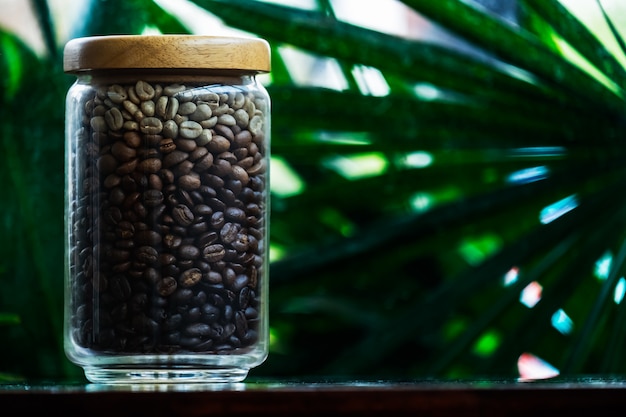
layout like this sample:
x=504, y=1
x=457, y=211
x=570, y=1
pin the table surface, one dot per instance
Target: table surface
x=579, y=396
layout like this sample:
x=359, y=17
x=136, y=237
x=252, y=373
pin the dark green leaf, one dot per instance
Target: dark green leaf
x=575, y=33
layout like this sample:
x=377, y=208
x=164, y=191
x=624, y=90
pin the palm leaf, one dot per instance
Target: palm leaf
x=573, y=31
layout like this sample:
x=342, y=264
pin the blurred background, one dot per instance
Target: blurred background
x=447, y=182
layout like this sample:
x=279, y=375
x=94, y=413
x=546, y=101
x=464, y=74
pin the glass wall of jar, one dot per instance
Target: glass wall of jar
x=167, y=192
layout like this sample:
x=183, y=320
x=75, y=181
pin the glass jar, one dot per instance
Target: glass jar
x=167, y=193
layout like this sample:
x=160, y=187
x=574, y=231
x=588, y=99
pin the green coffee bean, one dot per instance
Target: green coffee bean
x=190, y=129
x=151, y=125
x=144, y=90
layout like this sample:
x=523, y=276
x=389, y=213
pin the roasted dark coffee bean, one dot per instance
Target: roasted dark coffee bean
x=166, y=286
x=132, y=139
x=210, y=313
x=217, y=220
x=206, y=239
x=241, y=324
x=182, y=215
x=122, y=152
x=190, y=181
x=150, y=165
x=182, y=295
x=172, y=322
x=147, y=254
x=221, y=168
x=203, y=210
x=193, y=315
x=228, y=313
x=229, y=232
x=184, y=197
x=184, y=264
x=198, y=228
x=181, y=170
x=172, y=241
x=152, y=198
x=241, y=242
x=240, y=282
x=188, y=252
x=235, y=214
x=174, y=158
x=148, y=237
x=245, y=294
x=190, y=342
x=118, y=255
x=190, y=277
x=213, y=253
x=116, y=196
x=152, y=275
x=251, y=313
x=198, y=330
x=218, y=144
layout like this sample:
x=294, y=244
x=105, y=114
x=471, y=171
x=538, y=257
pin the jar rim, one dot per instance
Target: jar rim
x=164, y=52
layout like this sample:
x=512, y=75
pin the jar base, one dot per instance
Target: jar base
x=102, y=375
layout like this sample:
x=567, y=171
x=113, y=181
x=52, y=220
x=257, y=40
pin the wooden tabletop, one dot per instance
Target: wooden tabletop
x=581, y=396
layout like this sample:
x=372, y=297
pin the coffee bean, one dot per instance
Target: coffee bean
x=198, y=329
x=235, y=214
x=144, y=90
x=174, y=157
x=218, y=144
x=148, y=108
x=148, y=238
x=187, y=145
x=122, y=152
x=166, y=286
x=182, y=215
x=213, y=253
x=151, y=125
x=190, y=129
x=114, y=119
x=229, y=232
x=147, y=254
x=152, y=197
x=170, y=129
x=189, y=252
x=116, y=93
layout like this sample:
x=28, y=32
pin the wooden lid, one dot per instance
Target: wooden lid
x=166, y=52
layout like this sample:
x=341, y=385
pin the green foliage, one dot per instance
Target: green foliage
x=400, y=272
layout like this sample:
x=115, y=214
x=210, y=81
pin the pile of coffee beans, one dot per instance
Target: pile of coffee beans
x=167, y=211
